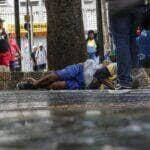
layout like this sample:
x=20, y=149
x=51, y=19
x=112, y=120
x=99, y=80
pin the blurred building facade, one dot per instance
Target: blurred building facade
x=39, y=23
x=39, y=14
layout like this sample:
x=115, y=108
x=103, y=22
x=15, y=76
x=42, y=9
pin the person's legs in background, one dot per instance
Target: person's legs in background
x=41, y=67
x=12, y=66
x=120, y=27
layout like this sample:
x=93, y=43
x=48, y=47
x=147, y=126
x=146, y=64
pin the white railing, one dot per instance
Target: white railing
x=7, y=13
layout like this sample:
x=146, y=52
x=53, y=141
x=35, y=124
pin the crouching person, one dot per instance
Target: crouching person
x=73, y=77
x=104, y=75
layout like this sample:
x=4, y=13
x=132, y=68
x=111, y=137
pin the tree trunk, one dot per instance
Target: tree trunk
x=17, y=22
x=65, y=38
x=100, y=27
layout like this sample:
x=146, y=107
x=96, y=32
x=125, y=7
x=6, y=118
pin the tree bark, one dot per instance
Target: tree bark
x=100, y=27
x=65, y=33
x=17, y=22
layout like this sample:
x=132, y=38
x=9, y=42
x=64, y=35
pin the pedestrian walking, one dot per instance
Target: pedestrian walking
x=41, y=58
x=92, y=46
x=33, y=56
x=5, y=55
x=15, y=54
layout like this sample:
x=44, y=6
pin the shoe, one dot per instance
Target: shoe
x=122, y=87
x=123, y=91
x=24, y=86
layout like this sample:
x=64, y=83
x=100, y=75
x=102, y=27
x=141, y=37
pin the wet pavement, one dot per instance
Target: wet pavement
x=31, y=122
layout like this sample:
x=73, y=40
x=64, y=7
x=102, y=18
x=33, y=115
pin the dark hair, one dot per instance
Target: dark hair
x=89, y=32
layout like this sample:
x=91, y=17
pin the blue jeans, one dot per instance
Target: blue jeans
x=134, y=52
x=120, y=28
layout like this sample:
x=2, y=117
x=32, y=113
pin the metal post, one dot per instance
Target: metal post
x=29, y=27
x=100, y=27
x=17, y=22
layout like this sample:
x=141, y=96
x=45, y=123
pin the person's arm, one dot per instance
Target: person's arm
x=96, y=84
x=44, y=81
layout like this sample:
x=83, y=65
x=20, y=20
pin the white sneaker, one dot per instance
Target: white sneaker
x=122, y=87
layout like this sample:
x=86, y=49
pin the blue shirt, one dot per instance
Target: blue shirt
x=143, y=42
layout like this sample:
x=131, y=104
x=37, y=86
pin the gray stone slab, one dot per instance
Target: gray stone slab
x=19, y=100
x=89, y=96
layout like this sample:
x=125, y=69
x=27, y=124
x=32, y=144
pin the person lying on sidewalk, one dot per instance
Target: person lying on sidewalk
x=73, y=77
x=104, y=75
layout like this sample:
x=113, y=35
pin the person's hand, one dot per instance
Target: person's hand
x=32, y=80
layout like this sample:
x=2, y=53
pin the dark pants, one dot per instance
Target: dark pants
x=134, y=52
x=15, y=66
x=145, y=62
x=41, y=67
x=35, y=68
x=120, y=28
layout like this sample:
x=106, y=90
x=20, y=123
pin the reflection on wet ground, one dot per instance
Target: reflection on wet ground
x=55, y=129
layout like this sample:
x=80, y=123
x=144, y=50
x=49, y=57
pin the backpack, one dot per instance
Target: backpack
x=4, y=44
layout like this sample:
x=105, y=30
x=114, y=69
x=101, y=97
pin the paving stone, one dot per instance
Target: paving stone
x=18, y=100
x=12, y=99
